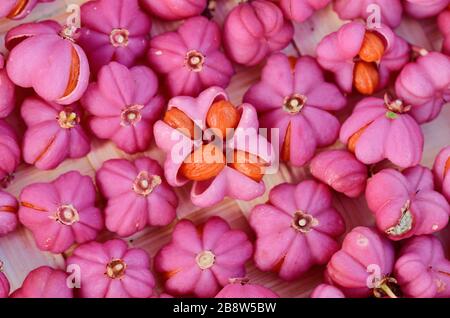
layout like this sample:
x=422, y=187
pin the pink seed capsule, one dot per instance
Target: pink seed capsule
x=363, y=266
x=113, y=30
x=294, y=97
x=206, y=165
x=62, y=212
x=54, y=133
x=296, y=229
x=57, y=68
x=253, y=30
x=425, y=85
x=406, y=204
x=191, y=61
x=422, y=270
x=200, y=260
x=376, y=131
x=8, y=213
x=44, y=282
x=113, y=270
x=341, y=171
x=123, y=105
x=175, y=9
x=138, y=195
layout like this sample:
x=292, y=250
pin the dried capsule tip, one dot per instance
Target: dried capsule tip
x=397, y=106
x=119, y=37
x=144, y=184
x=68, y=119
x=67, y=215
x=205, y=259
x=303, y=222
x=116, y=269
x=294, y=104
x=131, y=115
x=195, y=60
x=1, y=266
x=405, y=222
x=387, y=286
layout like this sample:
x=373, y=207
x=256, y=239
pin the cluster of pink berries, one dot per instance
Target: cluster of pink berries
x=103, y=81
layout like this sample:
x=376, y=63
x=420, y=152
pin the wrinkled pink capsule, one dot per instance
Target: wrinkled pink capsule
x=239, y=288
x=44, y=282
x=296, y=99
x=123, y=104
x=61, y=212
x=7, y=91
x=327, y=291
x=425, y=84
x=405, y=204
x=112, y=270
x=341, y=171
x=301, y=10
x=245, y=138
x=422, y=270
x=444, y=26
x=338, y=53
x=253, y=30
x=54, y=133
x=4, y=283
x=363, y=265
x=441, y=171
x=10, y=153
x=137, y=194
x=191, y=60
x=8, y=213
x=18, y=9
x=297, y=229
x=113, y=30
x=200, y=260
x=45, y=57
x=174, y=9
x=390, y=10
x=383, y=129
x=424, y=8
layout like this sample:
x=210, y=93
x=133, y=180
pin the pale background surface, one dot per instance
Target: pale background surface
x=20, y=254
